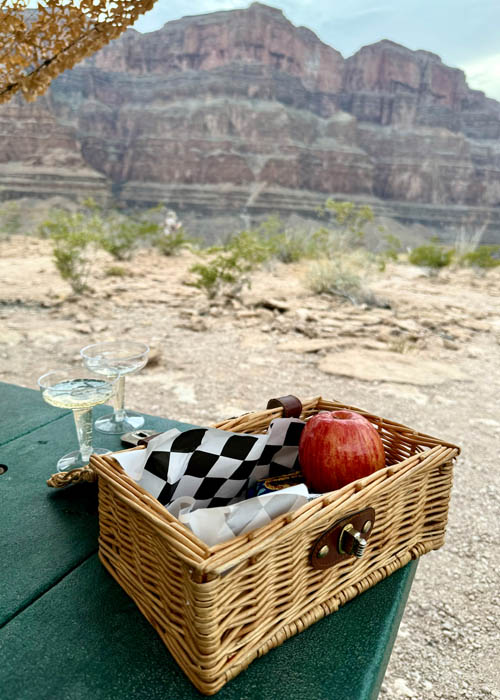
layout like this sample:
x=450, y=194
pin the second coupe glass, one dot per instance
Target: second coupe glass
x=117, y=359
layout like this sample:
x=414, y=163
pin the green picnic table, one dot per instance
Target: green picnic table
x=69, y=632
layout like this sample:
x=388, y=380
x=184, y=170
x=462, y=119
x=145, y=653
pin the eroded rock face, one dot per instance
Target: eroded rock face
x=244, y=103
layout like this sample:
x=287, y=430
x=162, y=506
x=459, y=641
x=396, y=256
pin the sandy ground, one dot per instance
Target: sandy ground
x=430, y=361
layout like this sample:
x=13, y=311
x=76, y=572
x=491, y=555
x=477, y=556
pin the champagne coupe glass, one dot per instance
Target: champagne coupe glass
x=117, y=359
x=79, y=390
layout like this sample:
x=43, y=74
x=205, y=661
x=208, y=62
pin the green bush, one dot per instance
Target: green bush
x=347, y=221
x=431, y=255
x=391, y=248
x=74, y=237
x=343, y=231
x=345, y=277
x=286, y=244
x=121, y=235
x=171, y=243
x=116, y=271
x=485, y=256
x=227, y=268
x=293, y=245
x=331, y=277
x=10, y=218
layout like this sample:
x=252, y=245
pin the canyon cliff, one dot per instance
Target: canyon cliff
x=242, y=111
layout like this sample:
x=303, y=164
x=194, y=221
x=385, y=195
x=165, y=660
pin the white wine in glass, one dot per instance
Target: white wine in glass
x=78, y=390
x=116, y=359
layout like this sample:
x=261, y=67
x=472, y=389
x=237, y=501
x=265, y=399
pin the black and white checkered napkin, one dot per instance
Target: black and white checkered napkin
x=211, y=469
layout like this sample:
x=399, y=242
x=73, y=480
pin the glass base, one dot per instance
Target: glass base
x=73, y=460
x=109, y=425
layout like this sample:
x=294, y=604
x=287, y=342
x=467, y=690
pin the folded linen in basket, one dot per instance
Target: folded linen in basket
x=214, y=467
x=216, y=525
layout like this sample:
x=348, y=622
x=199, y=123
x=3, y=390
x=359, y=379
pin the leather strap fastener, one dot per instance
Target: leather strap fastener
x=346, y=538
x=291, y=405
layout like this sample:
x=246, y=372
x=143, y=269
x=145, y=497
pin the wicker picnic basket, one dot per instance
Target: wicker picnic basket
x=218, y=608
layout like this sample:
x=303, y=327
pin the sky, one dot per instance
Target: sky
x=465, y=34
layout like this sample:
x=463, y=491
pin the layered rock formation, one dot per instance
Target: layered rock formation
x=242, y=110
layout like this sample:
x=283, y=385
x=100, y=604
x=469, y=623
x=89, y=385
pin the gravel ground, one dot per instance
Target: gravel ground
x=213, y=361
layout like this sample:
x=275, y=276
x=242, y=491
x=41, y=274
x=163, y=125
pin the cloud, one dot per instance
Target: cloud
x=484, y=74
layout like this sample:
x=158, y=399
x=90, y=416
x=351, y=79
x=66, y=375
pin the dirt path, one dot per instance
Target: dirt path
x=431, y=361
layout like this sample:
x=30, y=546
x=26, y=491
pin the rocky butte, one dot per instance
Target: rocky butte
x=241, y=111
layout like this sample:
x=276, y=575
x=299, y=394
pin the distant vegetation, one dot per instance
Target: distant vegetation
x=435, y=255
x=77, y=236
x=338, y=258
x=10, y=219
x=431, y=255
x=338, y=261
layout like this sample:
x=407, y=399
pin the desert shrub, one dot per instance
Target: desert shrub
x=330, y=277
x=342, y=259
x=347, y=222
x=10, y=219
x=162, y=230
x=344, y=276
x=339, y=246
x=227, y=268
x=285, y=244
x=431, y=255
x=74, y=237
x=484, y=256
x=171, y=243
x=390, y=250
x=342, y=231
x=116, y=271
x=75, y=234
x=121, y=235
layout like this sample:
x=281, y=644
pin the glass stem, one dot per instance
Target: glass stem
x=83, y=423
x=120, y=399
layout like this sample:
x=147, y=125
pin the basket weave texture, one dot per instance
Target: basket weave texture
x=218, y=608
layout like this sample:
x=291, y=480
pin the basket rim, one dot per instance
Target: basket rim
x=218, y=558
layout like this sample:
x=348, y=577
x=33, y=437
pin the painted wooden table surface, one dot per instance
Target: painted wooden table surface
x=69, y=632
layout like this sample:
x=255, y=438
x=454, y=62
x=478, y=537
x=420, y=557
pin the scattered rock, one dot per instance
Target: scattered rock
x=305, y=315
x=246, y=314
x=408, y=324
x=273, y=304
x=99, y=326
x=198, y=325
x=390, y=367
x=155, y=356
x=9, y=336
x=471, y=324
x=304, y=346
x=402, y=689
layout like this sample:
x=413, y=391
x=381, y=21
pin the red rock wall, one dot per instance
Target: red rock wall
x=244, y=97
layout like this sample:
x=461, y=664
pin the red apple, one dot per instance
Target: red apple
x=337, y=447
